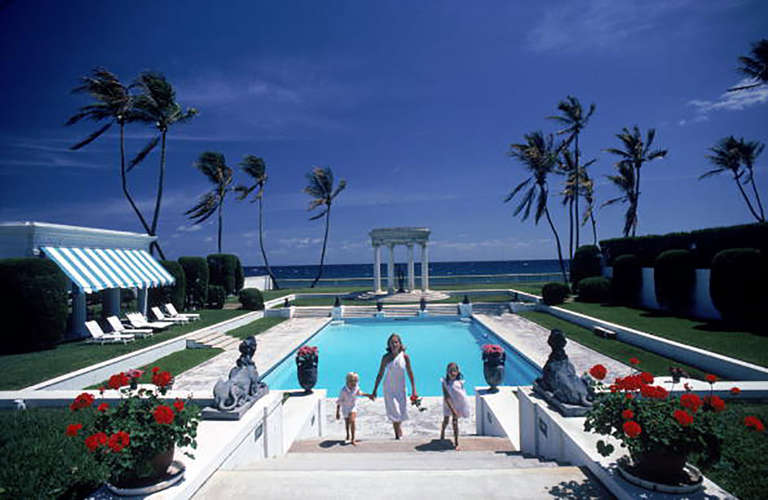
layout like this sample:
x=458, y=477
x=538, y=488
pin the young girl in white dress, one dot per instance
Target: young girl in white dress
x=347, y=403
x=455, y=401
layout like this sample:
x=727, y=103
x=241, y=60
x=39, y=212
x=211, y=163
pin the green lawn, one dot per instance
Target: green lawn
x=534, y=288
x=22, y=370
x=710, y=335
x=255, y=327
x=328, y=301
x=658, y=365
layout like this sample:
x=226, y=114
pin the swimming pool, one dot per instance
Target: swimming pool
x=358, y=344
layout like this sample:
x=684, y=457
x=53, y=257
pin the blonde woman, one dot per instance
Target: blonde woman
x=395, y=363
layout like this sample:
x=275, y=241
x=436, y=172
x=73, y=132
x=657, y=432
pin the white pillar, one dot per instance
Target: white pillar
x=424, y=268
x=391, y=269
x=411, y=277
x=377, y=268
x=141, y=298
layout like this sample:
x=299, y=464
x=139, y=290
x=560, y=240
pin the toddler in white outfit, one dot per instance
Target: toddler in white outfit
x=455, y=401
x=347, y=404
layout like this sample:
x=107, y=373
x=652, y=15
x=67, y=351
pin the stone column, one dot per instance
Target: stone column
x=391, y=269
x=141, y=297
x=411, y=277
x=424, y=268
x=110, y=302
x=376, y=268
x=78, y=314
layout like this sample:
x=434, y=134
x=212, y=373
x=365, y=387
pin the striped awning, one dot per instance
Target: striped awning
x=94, y=269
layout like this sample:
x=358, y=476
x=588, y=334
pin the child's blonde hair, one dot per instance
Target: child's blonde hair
x=352, y=376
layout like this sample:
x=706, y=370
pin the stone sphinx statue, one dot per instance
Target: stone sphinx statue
x=243, y=387
x=559, y=384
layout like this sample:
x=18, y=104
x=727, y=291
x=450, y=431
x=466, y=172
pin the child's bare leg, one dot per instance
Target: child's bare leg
x=352, y=417
x=346, y=426
x=455, y=432
x=442, y=428
x=398, y=429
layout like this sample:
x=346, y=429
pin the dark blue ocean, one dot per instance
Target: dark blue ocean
x=440, y=273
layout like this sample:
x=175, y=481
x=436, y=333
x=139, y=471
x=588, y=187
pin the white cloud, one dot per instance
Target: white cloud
x=208, y=239
x=299, y=242
x=189, y=229
x=728, y=101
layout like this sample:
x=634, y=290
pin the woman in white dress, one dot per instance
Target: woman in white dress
x=395, y=363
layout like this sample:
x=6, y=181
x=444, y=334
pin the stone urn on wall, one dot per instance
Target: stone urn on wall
x=493, y=365
x=306, y=367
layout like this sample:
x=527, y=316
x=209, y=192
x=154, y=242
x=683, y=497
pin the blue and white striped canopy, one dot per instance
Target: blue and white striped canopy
x=94, y=269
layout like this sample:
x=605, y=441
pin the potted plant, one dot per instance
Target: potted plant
x=493, y=365
x=137, y=436
x=659, y=430
x=306, y=367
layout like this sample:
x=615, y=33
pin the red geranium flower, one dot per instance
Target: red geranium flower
x=102, y=389
x=83, y=400
x=307, y=351
x=654, y=391
x=711, y=378
x=118, y=441
x=627, y=414
x=690, y=401
x=155, y=369
x=634, y=361
x=754, y=422
x=735, y=391
x=715, y=402
x=179, y=405
x=646, y=377
x=163, y=414
x=103, y=407
x=683, y=418
x=598, y=372
x=492, y=349
x=161, y=379
x=629, y=395
x=73, y=428
x=135, y=373
x=118, y=380
x=632, y=428
x=95, y=440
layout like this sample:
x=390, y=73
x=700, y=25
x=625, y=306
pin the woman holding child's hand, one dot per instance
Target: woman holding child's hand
x=395, y=363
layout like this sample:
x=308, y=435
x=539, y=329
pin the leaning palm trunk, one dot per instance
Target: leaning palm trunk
x=325, y=240
x=557, y=241
x=570, y=232
x=637, y=200
x=576, y=193
x=757, y=196
x=221, y=206
x=159, y=199
x=746, y=198
x=261, y=244
x=594, y=229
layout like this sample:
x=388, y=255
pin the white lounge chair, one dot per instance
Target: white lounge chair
x=137, y=320
x=117, y=327
x=98, y=335
x=173, y=313
x=159, y=316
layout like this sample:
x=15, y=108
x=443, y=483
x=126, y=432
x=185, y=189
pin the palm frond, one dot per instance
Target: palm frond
x=143, y=153
x=206, y=207
x=315, y=217
x=517, y=189
x=91, y=137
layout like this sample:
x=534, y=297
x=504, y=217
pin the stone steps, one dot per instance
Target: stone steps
x=399, y=311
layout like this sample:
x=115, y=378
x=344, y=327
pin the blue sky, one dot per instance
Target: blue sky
x=413, y=103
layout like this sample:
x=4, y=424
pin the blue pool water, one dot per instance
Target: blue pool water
x=358, y=344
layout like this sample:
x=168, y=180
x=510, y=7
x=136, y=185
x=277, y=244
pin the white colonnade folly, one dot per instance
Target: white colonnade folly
x=391, y=237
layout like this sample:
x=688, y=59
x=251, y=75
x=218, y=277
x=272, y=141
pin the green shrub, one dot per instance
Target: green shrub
x=554, y=293
x=587, y=263
x=627, y=279
x=216, y=297
x=34, y=304
x=251, y=299
x=737, y=285
x=222, y=269
x=595, y=289
x=38, y=460
x=175, y=293
x=239, y=276
x=674, y=277
x=197, y=275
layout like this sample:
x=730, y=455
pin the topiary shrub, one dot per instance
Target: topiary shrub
x=737, y=285
x=595, y=289
x=34, y=304
x=554, y=293
x=251, y=299
x=674, y=276
x=587, y=262
x=176, y=293
x=627, y=279
x=216, y=297
x=222, y=268
x=197, y=275
x=239, y=276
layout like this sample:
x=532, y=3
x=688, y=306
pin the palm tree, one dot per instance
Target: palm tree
x=636, y=152
x=748, y=153
x=539, y=157
x=574, y=185
x=574, y=119
x=157, y=104
x=726, y=155
x=255, y=168
x=625, y=181
x=587, y=187
x=213, y=166
x=320, y=188
x=755, y=66
x=113, y=103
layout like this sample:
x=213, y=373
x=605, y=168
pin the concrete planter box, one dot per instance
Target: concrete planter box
x=280, y=312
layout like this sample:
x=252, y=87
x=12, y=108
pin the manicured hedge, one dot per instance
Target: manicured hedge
x=674, y=276
x=175, y=293
x=627, y=279
x=704, y=244
x=216, y=297
x=223, y=271
x=737, y=285
x=197, y=275
x=34, y=306
x=554, y=293
x=587, y=262
x=251, y=299
x=595, y=289
x=239, y=276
